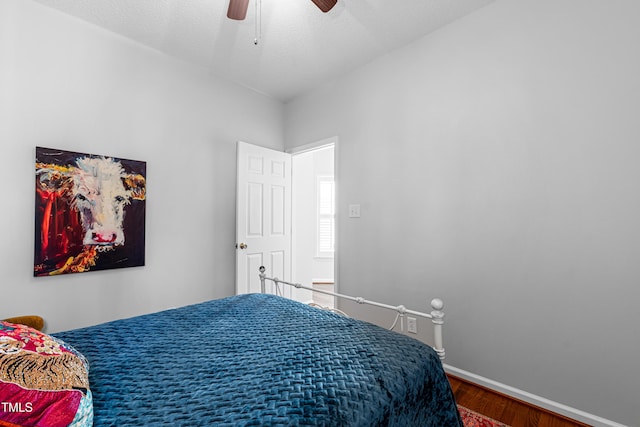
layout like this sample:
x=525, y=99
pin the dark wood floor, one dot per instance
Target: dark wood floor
x=505, y=409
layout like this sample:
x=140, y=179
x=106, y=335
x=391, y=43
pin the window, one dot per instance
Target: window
x=325, y=234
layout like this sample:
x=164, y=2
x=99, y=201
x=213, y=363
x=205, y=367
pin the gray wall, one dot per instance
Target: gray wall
x=70, y=85
x=496, y=163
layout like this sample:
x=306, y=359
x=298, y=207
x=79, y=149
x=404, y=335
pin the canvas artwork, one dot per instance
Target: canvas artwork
x=90, y=212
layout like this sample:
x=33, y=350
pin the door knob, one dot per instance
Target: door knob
x=242, y=246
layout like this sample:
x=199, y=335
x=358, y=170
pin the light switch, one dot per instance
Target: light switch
x=354, y=211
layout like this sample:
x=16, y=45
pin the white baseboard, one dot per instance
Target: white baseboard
x=547, y=404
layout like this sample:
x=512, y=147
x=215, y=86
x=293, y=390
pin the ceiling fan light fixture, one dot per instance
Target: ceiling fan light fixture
x=238, y=8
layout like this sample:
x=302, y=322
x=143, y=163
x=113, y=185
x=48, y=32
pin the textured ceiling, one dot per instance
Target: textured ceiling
x=299, y=47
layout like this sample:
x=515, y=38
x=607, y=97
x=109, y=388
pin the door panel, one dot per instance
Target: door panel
x=278, y=206
x=254, y=209
x=251, y=280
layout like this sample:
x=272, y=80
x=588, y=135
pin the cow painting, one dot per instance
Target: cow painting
x=90, y=212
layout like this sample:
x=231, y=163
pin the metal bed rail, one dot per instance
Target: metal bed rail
x=436, y=315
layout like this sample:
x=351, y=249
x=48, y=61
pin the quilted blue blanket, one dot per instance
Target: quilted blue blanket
x=251, y=360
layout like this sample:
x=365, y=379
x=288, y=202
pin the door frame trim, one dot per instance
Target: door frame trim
x=312, y=146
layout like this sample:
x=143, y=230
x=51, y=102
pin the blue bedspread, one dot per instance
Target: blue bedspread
x=252, y=360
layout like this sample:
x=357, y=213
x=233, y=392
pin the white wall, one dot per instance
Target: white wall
x=70, y=85
x=496, y=163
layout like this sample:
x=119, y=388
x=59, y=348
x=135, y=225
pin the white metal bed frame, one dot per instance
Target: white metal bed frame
x=436, y=315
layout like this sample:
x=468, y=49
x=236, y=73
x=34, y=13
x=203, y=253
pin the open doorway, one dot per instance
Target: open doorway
x=313, y=221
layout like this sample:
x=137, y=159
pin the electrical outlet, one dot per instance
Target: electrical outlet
x=354, y=211
x=412, y=325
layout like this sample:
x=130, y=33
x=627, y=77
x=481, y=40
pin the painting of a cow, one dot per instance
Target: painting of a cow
x=90, y=212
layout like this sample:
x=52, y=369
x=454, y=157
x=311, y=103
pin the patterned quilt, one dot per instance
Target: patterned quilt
x=43, y=381
x=254, y=359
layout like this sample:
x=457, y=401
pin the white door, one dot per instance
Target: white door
x=263, y=217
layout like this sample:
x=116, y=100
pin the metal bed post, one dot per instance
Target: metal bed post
x=437, y=318
x=262, y=278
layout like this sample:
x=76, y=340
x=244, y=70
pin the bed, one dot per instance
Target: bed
x=259, y=359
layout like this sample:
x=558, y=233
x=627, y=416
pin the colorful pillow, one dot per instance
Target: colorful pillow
x=43, y=381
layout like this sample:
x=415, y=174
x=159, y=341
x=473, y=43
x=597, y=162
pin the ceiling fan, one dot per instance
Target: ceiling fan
x=238, y=8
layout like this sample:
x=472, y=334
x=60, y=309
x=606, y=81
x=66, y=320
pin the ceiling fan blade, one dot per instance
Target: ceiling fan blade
x=325, y=5
x=237, y=9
